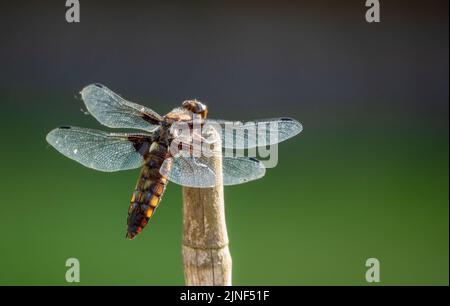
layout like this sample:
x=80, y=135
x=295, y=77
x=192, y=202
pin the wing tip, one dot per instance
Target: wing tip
x=91, y=86
x=294, y=121
x=50, y=137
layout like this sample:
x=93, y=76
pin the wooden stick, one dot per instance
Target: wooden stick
x=206, y=257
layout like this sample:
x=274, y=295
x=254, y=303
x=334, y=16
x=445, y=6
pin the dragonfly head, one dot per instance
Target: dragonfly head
x=196, y=107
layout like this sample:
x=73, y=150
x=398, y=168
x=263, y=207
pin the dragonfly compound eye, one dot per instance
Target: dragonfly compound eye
x=194, y=106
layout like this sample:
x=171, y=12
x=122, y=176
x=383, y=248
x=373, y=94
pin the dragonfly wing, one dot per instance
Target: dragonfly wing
x=189, y=171
x=99, y=150
x=257, y=133
x=200, y=172
x=240, y=170
x=113, y=111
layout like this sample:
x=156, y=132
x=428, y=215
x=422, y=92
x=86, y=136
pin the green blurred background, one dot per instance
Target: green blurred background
x=368, y=177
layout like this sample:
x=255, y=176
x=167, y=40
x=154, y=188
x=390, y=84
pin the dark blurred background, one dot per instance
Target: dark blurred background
x=368, y=177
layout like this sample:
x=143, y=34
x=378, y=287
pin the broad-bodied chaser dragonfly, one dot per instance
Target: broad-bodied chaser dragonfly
x=150, y=149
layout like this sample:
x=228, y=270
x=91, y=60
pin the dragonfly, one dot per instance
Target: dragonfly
x=148, y=145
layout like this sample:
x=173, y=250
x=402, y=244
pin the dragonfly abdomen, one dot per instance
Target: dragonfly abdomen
x=147, y=194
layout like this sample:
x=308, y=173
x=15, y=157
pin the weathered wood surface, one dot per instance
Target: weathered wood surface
x=206, y=256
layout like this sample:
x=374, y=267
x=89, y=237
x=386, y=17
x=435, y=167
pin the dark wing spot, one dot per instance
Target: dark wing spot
x=254, y=159
x=140, y=144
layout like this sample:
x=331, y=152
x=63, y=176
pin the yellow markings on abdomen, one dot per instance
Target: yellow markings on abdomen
x=154, y=201
x=143, y=204
x=148, y=192
x=149, y=212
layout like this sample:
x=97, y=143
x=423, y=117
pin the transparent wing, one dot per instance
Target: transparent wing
x=240, y=170
x=199, y=172
x=113, y=111
x=256, y=133
x=100, y=150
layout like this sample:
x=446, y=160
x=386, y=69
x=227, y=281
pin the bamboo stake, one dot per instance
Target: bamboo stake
x=206, y=257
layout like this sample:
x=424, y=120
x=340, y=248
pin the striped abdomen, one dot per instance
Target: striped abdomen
x=148, y=192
